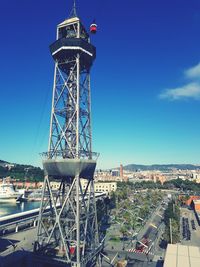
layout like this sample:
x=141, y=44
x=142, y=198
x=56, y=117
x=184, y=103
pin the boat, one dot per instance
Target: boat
x=8, y=192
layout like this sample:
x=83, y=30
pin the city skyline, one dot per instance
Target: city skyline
x=145, y=80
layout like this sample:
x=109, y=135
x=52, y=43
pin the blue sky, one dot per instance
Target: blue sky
x=145, y=80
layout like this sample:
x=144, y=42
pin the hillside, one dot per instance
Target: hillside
x=20, y=171
x=161, y=167
x=3, y=163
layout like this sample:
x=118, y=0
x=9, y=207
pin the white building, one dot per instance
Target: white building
x=106, y=187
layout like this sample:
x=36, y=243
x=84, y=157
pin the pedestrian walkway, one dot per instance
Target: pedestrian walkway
x=145, y=251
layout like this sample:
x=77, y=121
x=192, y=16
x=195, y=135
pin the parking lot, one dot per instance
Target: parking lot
x=190, y=230
x=186, y=233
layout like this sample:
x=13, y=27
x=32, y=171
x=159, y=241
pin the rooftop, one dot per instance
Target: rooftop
x=68, y=21
x=196, y=201
x=182, y=256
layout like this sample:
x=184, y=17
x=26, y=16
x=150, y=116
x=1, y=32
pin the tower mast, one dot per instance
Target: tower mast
x=67, y=228
x=73, y=12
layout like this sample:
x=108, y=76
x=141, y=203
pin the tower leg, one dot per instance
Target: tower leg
x=67, y=228
x=77, y=222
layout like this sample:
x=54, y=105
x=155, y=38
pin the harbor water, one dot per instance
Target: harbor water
x=12, y=208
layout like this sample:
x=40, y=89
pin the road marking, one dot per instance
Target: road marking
x=146, y=251
x=114, y=258
x=153, y=225
x=143, y=244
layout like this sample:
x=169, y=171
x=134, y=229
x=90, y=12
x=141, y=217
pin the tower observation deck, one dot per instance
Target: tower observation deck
x=68, y=233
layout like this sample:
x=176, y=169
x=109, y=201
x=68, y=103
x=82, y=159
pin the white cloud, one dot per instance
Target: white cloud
x=193, y=72
x=191, y=90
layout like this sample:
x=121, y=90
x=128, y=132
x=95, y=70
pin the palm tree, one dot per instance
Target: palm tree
x=124, y=231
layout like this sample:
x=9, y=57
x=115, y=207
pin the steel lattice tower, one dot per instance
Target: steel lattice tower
x=67, y=227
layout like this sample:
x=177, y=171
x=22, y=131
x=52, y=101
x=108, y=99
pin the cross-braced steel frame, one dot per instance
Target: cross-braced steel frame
x=67, y=228
x=70, y=132
x=68, y=222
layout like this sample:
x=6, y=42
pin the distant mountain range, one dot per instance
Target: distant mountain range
x=160, y=167
x=21, y=170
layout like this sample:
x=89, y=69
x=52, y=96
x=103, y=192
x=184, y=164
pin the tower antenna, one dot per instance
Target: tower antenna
x=73, y=12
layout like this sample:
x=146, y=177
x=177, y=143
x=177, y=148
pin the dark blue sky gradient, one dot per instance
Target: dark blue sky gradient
x=143, y=48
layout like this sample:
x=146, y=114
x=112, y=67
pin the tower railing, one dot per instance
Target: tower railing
x=61, y=154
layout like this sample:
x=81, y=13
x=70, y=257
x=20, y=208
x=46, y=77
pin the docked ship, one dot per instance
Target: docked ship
x=8, y=192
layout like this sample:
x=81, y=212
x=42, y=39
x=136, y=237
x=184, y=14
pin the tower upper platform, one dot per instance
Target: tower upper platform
x=73, y=39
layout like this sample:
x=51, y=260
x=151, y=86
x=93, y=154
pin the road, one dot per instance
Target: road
x=152, y=230
x=15, y=247
x=152, y=226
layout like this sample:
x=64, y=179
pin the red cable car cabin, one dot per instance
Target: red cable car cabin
x=93, y=28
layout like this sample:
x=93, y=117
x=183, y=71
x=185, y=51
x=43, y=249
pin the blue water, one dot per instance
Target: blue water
x=11, y=208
